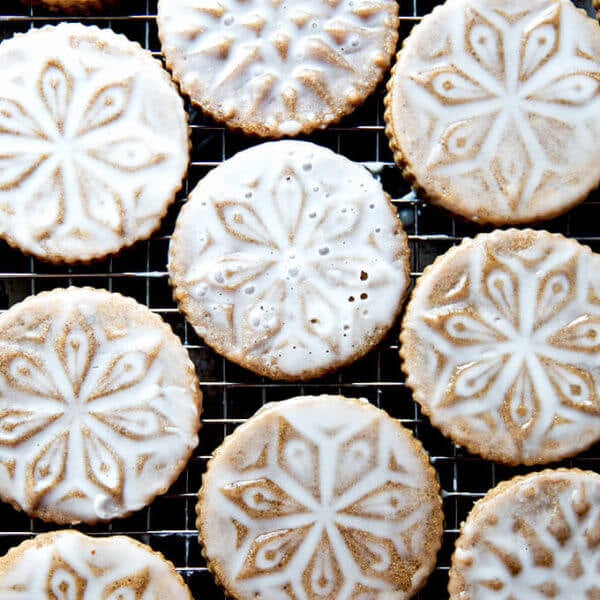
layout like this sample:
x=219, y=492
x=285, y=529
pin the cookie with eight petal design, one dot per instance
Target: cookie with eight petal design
x=278, y=67
x=93, y=142
x=491, y=108
x=501, y=344
x=290, y=260
x=320, y=497
x=99, y=406
x=533, y=537
x=69, y=565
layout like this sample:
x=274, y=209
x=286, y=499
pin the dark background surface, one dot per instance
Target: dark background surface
x=232, y=394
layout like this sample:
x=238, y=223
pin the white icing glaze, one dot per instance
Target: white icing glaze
x=501, y=342
x=495, y=107
x=289, y=258
x=93, y=142
x=277, y=65
x=68, y=565
x=538, y=539
x=98, y=405
x=319, y=497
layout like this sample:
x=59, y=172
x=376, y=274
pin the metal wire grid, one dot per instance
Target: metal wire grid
x=232, y=394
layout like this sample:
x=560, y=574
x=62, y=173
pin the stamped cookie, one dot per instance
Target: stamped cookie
x=320, y=497
x=67, y=565
x=93, y=142
x=534, y=537
x=501, y=346
x=492, y=108
x=290, y=260
x=99, y=406
x=73, y=6
x=278, y=67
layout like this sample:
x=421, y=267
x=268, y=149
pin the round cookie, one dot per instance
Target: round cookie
x=275, y=67
x=500, y=344
x=289, y=260
x=93, y=142
x=533, y=537
x=99, y=406
x=492, y=108
x=74, y=6
x=320, y=497
x=69, y=565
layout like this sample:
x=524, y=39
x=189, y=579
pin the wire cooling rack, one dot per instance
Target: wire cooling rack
x=232, y=394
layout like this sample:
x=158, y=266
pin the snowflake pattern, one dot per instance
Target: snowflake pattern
x=292, y=269
x=547, y=548
x=276, y=67
x=77, y=149
x=507, y=102
x=325, y=509
x=513, y=337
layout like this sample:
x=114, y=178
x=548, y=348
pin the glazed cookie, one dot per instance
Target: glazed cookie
x=320, y=497
x=275, y=67
x=533, y=537
x=73, y=6
x=290, y=260
x=492, y=108
x=71, y=566
x=501, y=346
x=99, y=406
x=93, y=142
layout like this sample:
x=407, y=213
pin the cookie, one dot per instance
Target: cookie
x=320, y=497
x=289, y=260
x=532, y=537
x=500, y=346
x=99, y=406
x=74, y=6
x=491, y=109
x=93, y=142
x=71, y=566
x=274, y=67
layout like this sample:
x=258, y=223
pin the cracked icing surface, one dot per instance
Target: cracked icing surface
x=534, y=537
x=290, y=260
x=99, y=406
x=93, y=142
x=278, y=67
x=493, y=108
x=67, y=565
x=320, y=497
x=501, y=344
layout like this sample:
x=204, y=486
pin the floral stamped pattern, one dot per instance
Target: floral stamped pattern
x=70, y=566
x=540, y=538
x=87, y=423
x=322, y=499
x=506, y=96
x=80, y=142
x=289, y=259
x=277, y=67
x=510, y=328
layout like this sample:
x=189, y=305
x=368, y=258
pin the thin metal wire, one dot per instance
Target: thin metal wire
x=231, y=395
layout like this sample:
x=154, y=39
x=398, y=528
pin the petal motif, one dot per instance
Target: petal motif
x=63, y=582
x=580, y=335
x=501, y=287
x=289, y=196
x=352, y=271
x=323, y=577
x=231, y=272
x=464, y=328
x=452, y=86
x=521, y=406
x=101, y=203
x=130, y=587
x=264, y=317
x=574, y=387
x=484, y=42
x=107, y=105
x=18, y=425
x=262, y=499
x=15, y=120
x=56, y=88
x=75, y=347
x=136, y=423
x=540, y=42
x=17, y=167
x=272, y=552
x=27, y=373
x=46, y=208
x=242, y=222
x=391, y=501
x=103, y=466
x=319, y=313
x=556, y=291
x=130, y=155
x=334, y=224
x=47, y=469
x=575, y=89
